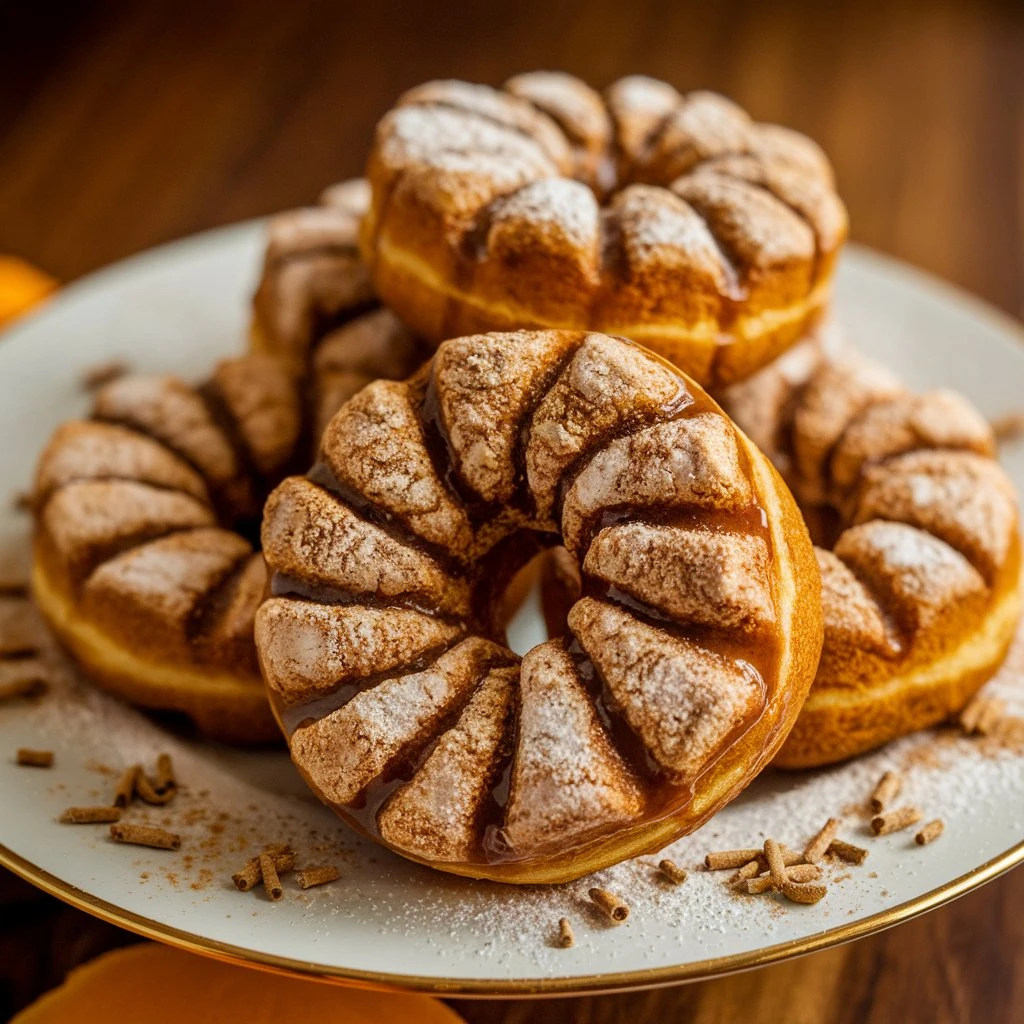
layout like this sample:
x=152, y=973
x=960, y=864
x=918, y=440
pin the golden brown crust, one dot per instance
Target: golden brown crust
x=138, y=565
x=315, y=307
x=146, y=512
x=671, y=219
x=404, y=709
x=921, y=559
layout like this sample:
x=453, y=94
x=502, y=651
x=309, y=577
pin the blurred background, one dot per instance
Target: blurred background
x=124, y=125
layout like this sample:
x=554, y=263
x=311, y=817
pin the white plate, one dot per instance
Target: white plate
x=392, y=923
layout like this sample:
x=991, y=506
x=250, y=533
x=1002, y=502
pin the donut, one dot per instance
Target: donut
x=674, y=220
x=918, y=540
x=675, y=677
x=147, y=513
x=315, y=308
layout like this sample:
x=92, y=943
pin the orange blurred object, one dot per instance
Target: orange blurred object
x=21, y=287
x=158, y=985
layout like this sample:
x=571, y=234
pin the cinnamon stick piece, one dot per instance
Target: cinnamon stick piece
x=929, y=832
x=722, y=860
x=672, y=871
x=145, y=835
x=271, y=883
x=310, y=877
x=776, y=865
x=90, y=815
x=847, y=851
x=610, y=905
x=147, y=791
x=250, y=875
x=812, y=892
x=124, y=791
x=893, y=821
x=816, y=848
x=566, y=938
x=29, y=758
x=165, y=778
x=887, y=789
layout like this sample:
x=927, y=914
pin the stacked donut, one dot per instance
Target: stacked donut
x=519, y=236
x=147, y=562
x=919, y=544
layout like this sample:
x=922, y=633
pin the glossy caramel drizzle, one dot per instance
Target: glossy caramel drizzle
x=506, y=548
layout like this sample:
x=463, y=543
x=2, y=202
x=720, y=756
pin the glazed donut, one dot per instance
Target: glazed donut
x=315, y=308
x=674, y=220
x=919, y=544
x=147, y=514
x=681, y=667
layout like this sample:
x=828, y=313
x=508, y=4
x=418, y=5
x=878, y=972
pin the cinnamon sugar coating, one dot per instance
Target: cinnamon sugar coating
x=568, y=780
x=344, y=751
x=683, y=700
x=714, y=579
x=672, y=219
x=386, y=460
x=919, y=587
x=147, y=512
x=437, y=814
x=382, y=641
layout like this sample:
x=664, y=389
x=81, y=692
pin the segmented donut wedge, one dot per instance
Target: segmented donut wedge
x=919, y=540
x=315, y=307
x=683, y=662
x=674, y=220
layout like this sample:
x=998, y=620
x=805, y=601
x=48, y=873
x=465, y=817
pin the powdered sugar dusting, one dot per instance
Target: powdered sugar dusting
x=392, y=916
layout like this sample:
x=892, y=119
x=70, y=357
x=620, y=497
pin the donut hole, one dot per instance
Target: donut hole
x=535, y=605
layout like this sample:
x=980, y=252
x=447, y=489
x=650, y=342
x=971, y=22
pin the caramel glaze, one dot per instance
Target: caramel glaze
x=507, y=549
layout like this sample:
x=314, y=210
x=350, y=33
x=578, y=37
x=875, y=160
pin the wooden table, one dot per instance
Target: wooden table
x=123, y=126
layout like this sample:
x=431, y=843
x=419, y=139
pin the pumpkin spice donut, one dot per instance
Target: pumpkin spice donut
x=680, y=669
x=919, y=544
x=674, y=220
x=147, y=561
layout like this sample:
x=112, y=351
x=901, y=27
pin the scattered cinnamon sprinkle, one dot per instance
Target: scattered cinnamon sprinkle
x=271, y=883
x=90, y=815
x=847, y=852
x=29, y=758
x=145, y=835
x=610, y=905
x=566, y=938
x=310, y=877
x=887, y=789
x=930, y=832
x=816, y=848
x=896, y=820
x=980, y=717
x=103, y=373
x=672, y=871
x=28, y=687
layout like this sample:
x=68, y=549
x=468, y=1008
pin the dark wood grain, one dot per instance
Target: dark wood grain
x=126, y=125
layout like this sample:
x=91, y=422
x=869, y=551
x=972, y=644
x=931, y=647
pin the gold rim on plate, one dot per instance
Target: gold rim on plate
x=585, y=984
